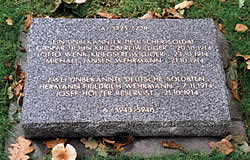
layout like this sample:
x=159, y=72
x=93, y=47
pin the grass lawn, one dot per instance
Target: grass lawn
x=227, y=13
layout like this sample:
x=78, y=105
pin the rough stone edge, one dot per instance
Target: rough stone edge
x=223, y=49
x=187, y=128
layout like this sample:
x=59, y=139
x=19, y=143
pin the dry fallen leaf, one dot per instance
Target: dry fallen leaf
x=234, y=88
x=174, y=13
x=108, y=141
x=171, y=145
x=9, y=21
x=62, y=17
x=229, y=137
x=90, y=143
x=22, y=76
x=220, y=27
x=18, y=87
x=21, y=95
x=22, y=49
x=59, y=152
x=248, y=64
x=224, y=146
x=20, y=149
x=246, y=57
x=149, y=15
x=164, y=12
x=105, y=14
x=222, y=0
x=240, y=28
x=53, y=143
x=184, y=4
x=27, y=21
x=117, y=146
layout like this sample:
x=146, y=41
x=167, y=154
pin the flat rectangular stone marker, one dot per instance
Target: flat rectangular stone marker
x=102, y=77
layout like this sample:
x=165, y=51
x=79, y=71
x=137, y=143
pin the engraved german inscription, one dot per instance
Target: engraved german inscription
x=106, y=77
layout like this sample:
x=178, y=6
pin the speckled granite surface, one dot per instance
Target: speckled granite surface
x=194, y=103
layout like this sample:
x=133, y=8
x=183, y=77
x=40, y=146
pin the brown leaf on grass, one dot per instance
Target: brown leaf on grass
x=171, y=145
x=17, y=89
x=27, y=21
x=184, y=4
x=229, y=137
x=211, y=144
x=117, y=146
x=234, y=88
x=243, y=18
x=220, y=27
x=174, y=13
x=89, y=143
x=119, y=149
x=222, y=0
x=59, y=152
x=164, y=12
x=62, y=17
x=108, y=141
x=22, y=49
x=240, y=28
x=19, y=150
x=248, y=64
x=224, y=146
x=53, y=143
x=246, y=57
x=21, y=95
x=9, y=21
x=105, y=14
x=149, y=15
x=22, y=76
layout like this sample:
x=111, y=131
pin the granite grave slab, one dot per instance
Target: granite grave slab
x=102, y=77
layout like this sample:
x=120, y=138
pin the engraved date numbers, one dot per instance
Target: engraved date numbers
x=129, y=109
x=138, y=109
